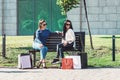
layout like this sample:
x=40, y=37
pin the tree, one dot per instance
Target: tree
x=67, y=5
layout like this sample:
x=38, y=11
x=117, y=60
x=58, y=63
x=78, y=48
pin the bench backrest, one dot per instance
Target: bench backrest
x=56, y=38
x=80, y=41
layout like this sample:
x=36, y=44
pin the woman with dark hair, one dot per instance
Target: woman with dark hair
x=42, y=34
x=68, y=40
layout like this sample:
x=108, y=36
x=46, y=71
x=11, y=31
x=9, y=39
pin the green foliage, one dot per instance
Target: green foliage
x=67, y=5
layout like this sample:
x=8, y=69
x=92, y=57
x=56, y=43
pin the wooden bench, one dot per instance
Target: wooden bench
x=55, y=39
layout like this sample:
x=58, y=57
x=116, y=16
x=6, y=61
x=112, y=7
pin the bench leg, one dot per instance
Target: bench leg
x=34, y=56
x=84, y=60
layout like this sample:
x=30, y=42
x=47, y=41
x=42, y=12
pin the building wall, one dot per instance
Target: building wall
x=10, y=17
x=103, y=15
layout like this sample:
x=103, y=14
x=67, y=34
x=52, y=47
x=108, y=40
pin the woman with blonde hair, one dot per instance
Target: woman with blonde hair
x=42, y=33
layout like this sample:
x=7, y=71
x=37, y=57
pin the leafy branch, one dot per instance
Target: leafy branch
x=67, y=5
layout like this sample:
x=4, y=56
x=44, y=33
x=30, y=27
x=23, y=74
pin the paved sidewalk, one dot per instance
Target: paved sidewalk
x=59, y=74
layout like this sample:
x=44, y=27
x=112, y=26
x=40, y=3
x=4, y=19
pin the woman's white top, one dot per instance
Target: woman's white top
x=69, y=36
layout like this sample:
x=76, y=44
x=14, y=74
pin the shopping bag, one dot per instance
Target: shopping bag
x=67, y=63
x=76, y=61
x=24, y=61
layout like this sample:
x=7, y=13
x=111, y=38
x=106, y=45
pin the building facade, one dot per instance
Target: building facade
x=8, y=17
x=20, y=17
x=103, y=15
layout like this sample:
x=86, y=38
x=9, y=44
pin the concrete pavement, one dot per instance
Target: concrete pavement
x=59, y=74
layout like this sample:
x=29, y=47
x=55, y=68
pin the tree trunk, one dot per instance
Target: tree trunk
x=88, y=25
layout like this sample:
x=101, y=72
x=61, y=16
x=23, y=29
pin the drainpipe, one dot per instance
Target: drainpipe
x=80, y=15
x=2, y=17
x=33, y=16
x=3, y=33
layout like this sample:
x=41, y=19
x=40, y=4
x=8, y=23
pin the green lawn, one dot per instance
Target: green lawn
x=99, y=57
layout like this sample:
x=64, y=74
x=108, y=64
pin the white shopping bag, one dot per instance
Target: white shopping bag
x=76, y=61
x=24, y=61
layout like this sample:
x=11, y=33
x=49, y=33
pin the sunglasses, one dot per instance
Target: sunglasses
x=67, y=24
x=44, y=24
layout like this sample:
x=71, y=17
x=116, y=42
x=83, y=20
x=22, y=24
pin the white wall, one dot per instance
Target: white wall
x=103, y=15
x=10, y=17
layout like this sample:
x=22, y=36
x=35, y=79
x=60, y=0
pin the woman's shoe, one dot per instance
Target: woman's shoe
x=39, y=64
x=44, y=65
x=55, y=61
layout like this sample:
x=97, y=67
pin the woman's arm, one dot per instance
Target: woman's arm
x=37, y=37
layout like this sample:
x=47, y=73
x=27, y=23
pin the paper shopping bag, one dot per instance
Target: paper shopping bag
x=67, y=63
x=24, y=61
x=76, y=61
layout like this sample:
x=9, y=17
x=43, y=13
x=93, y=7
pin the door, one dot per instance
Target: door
x=31, y=11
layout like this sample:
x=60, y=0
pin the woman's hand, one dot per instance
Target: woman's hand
x=41, y=45
x=65, y=43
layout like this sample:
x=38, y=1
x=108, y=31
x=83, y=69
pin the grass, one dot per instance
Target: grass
x=101, y=56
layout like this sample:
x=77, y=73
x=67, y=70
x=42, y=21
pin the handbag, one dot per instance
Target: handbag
x=67, y=63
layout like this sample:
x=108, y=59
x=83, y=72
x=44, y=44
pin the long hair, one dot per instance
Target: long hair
x=64, y=27
x=40, y=23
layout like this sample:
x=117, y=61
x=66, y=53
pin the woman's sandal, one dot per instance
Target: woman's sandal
x=39, y=64
x=44, y=65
